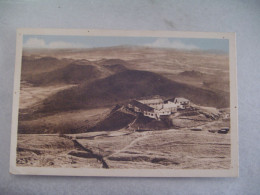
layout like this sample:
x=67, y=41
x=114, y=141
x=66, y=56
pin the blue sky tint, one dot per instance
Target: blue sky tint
x=54, y=41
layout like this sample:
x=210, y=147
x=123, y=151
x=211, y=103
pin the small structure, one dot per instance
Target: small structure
x=182, y=103
x=196, y=129
x=223, y=130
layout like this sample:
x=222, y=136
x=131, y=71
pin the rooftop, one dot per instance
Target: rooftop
x=152, y=97
x=143, y=107
x=181, y=99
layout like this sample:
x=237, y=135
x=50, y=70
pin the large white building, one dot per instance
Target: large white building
x=156, y=107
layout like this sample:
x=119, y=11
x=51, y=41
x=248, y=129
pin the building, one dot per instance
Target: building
x=171, y=106
x=142, y=108
x=156, y=107
x=182, y=103
x=156, y=103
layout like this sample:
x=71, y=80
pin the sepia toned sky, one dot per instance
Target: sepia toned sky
x=54, y=41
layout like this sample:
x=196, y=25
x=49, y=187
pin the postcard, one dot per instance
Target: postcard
x=124, y=104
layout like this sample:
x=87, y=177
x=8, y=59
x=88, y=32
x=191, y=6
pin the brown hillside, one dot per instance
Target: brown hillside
x=126, y=85
x=49, y=71
x=115, y=121
x=31, y=65
x=70, y=74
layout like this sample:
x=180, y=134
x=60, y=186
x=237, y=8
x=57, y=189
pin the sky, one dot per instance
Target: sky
x=57, y=41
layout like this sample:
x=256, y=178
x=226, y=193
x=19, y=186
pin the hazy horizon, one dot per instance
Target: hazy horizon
x=86, y=42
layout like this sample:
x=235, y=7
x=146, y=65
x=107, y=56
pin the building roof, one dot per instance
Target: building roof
x=171, y=100
x=151, y=97
x=163, y=109
x=151, y=101
x=181, y=99
x=178, y=99
x=141, y=106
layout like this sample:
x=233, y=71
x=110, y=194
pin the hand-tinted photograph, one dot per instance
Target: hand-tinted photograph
x=124, y=103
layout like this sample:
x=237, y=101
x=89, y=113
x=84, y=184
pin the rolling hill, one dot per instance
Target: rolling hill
x=126, y=85
x=31, y=65
x=49, y=71
x=70, y=74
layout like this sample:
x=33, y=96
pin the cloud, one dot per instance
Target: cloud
x=166, y=43
x=35, y=43
x=40, y=43
x=61, y=44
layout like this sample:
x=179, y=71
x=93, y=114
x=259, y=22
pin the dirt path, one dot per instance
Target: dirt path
x=94, y=155
x=130, y=124
x=97, y=156
x=144, y=135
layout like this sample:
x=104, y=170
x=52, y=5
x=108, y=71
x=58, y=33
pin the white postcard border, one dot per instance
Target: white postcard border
x=232, y=172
